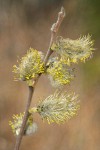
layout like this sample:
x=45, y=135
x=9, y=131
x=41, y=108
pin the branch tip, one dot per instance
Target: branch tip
x=63, y=11
x=61, y=16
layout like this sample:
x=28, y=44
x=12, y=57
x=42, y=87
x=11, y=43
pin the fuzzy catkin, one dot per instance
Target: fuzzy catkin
x=73, y=51
x=59, y=73
x=30, y=65
x=58, y=107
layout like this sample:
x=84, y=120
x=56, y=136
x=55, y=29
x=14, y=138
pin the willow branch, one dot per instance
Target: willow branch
x=54, y=30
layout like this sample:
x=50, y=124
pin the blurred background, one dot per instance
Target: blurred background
x=25, y=24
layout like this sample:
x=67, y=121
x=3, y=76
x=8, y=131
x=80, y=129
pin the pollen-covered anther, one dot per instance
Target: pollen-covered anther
x=58, y=107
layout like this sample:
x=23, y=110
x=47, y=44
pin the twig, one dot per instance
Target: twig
x=54, y=30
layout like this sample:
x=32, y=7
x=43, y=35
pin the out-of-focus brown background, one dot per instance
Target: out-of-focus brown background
x=27, y=23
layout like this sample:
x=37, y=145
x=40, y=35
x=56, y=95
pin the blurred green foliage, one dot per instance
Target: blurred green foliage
x=90, y=13
x=92, y=73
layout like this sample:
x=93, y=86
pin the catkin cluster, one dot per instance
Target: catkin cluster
x=60, y=106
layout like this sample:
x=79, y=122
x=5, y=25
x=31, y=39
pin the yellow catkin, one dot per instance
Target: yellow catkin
x=59, y=73
x=30, y=65
x=73, y=51
x=58, y=107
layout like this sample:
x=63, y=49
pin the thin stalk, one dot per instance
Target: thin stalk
x=19, y=138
